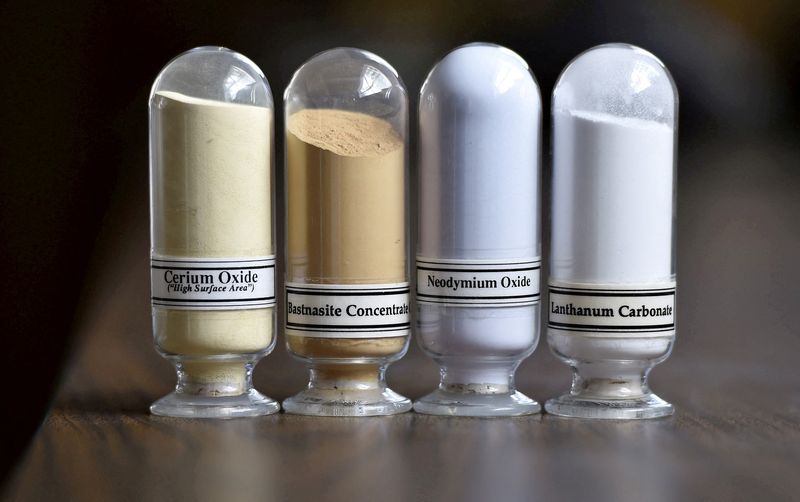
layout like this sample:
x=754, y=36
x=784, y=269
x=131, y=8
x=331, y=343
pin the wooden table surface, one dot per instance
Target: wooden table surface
x=733, y=378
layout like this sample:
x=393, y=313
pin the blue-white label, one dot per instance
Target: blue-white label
x=478, y=283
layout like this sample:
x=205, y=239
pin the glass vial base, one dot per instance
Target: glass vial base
x=609, y=376
x=494, y=396
x=214, y=389
x=647, y=406
x=347, y=390
x=251, y=404
x=475, y=404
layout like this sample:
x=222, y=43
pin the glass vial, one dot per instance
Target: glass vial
x=347, y=293
x=211, y=222
x=478, y=256
x=612, y=275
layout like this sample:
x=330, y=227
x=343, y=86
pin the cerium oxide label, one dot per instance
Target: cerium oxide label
x=613, y=309
x=348, y=310
x=478, y=283
x=213, y=283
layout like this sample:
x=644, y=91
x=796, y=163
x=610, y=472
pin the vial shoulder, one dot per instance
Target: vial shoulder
x=212, y=74
x=620, y=80
x=347, y=86
x=480, y=76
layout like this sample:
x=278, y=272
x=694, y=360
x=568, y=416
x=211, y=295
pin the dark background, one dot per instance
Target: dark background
x=73, y=178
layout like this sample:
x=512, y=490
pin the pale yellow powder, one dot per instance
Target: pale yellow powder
x=213, y=194
x=211, y=198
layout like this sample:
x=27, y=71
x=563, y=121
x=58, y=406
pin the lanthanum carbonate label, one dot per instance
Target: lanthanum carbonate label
x=478, y=283
x=347, y=310
x=213, y=283
x=610, y=310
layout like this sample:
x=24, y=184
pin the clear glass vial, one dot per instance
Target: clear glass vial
x=347, y=291
x=478, y=256
x=612, y=276
x=211, y=222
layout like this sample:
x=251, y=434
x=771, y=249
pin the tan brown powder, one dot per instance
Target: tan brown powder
x=346, y=214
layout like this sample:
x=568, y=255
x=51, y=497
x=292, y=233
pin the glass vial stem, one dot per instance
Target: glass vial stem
x=610, y=380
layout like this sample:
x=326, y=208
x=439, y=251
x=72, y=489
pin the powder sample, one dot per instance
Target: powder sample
x=612, y=202
x=345, y=133
x=215, y=179
x=346, y=213
x=612, y=281
x=612, y=219
x=479, y=170
x=211, y=199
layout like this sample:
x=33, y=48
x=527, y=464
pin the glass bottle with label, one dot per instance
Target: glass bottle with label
x=212, y=245
x=478, y=256
x=347, y=296
x=612, y=276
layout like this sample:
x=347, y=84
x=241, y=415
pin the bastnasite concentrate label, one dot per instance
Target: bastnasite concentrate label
x=348, y=310
x=609, y=310
x=478, y=283
x=214, y=283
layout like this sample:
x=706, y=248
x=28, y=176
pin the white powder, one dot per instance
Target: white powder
x=612, y=199
x=479, y=119
x=211, y=198
x=612, y=230
x=612, y=223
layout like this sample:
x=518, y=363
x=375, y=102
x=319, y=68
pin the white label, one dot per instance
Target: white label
x=347, y=310
x=613, y=309
x=478, y=283
x=213, y=283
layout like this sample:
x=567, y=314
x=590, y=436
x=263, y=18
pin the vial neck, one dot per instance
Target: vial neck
x=348, y=376
x=480, y=378
x=212, y=378
x=612, y=380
